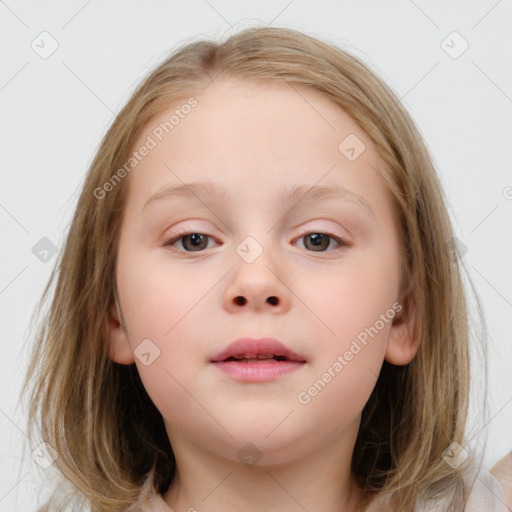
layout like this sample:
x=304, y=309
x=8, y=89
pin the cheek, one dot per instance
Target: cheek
x=156, y=297
x=161, y=306
x=351, y=299
x=347, y=363
x=337, y=396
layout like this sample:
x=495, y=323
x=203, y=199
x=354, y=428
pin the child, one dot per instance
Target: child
x=259, y=305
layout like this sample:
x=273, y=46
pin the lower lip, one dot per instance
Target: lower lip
x=257, y=372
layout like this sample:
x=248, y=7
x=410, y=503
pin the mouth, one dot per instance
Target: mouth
x=260, y=357
x=257, y=360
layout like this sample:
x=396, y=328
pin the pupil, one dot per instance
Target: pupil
x=194, y=241
x=318, y=240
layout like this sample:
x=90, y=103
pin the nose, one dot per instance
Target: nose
x=256, y=286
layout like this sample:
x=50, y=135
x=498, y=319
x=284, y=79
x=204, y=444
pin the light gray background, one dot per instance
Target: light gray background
x=55, y=110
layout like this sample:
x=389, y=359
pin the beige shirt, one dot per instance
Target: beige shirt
x=487, y=495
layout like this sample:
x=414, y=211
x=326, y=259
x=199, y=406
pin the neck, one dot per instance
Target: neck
x=319, y=481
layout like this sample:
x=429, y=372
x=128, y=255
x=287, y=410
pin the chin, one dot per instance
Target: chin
x=269, y=444
x=265, y=454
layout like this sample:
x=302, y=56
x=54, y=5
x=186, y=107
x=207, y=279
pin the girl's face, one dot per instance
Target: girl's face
x=336, y=304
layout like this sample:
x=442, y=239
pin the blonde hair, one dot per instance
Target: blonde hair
x=110, y=438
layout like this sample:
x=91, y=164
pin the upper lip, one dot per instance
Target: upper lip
x=252, y=347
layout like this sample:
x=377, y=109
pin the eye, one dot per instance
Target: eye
x=196, y=242
x=318, y=241
x=190, y=241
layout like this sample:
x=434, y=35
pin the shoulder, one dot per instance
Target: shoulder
x=155, y=503
x=486, y=494
x=502, y=471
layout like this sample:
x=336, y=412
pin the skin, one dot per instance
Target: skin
x=257, y=139
x=502, y=470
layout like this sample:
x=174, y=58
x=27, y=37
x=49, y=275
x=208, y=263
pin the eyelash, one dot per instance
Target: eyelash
x=174, y=237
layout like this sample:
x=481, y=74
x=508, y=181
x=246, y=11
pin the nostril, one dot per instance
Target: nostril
x=241, y=301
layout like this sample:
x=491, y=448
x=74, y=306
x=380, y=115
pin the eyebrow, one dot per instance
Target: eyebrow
x=210, y=191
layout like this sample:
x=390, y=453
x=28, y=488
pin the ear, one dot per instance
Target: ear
x=119, y=348
x=404, y=337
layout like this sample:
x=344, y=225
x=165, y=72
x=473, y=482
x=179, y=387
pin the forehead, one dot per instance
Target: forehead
x=257, y=135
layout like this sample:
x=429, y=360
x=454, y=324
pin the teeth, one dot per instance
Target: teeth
x=249, y=357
